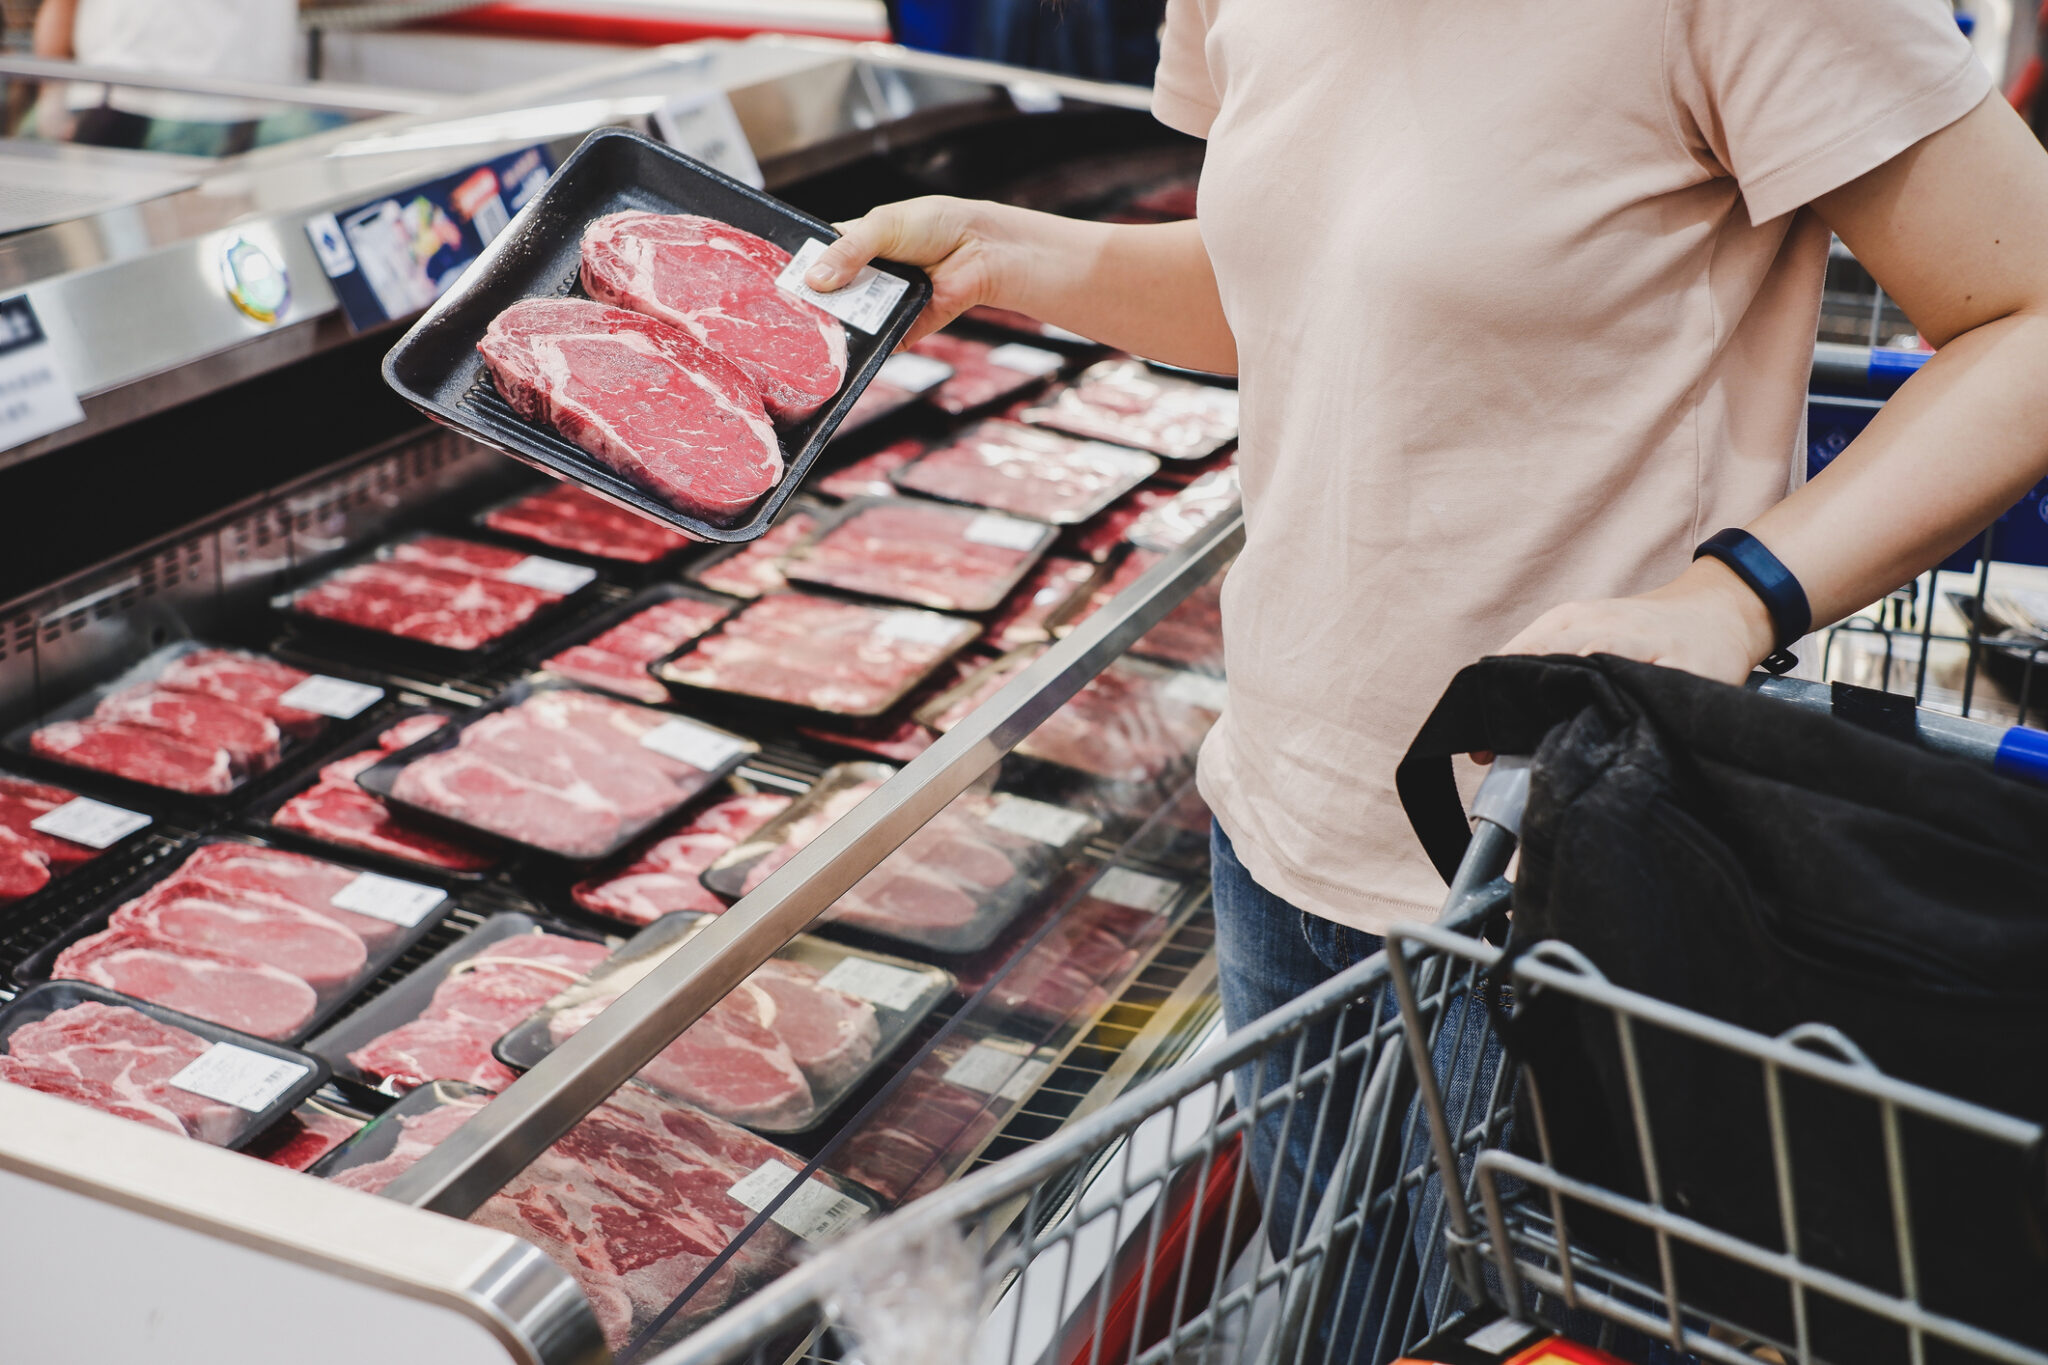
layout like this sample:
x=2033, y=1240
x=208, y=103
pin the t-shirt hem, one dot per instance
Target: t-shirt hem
x=1868, y=146
x=1182, y=112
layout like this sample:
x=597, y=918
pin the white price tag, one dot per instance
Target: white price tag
x=913, y=372
x=1009, y=533
x=1024, y=1081
x=1198, y=690
x=919, y=627
x=337, y=697
x=1498, y=1337
x=864, y=304
x=35, y=397
x=1036, y=820
x=985, y=1068
x=550, y=575
x=702, y=124
x=1032, y=360
x=240, y=1076
x=816, y=1213
x=388, y=899
x=1134, y=890
x=685, y=741
x=877, y=982
x=82, y=820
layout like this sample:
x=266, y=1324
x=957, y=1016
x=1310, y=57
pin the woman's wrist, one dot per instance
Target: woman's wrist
x=1726, y=605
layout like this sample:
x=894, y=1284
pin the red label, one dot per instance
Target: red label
x=473, y=193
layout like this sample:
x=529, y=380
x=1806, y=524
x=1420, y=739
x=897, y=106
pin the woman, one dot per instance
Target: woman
x=1521, y=298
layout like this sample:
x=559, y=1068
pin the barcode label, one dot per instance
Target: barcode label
x=82, y=820
x=700, y=746
x=919, y=627
x=1198, y=690
x=877, y=982
x=1036, y=820
x=336, y=697
x=1033, y=360
x=914, y=373
x=1134, y=890
x=240, y=1076
x=1008, y=533
x=816, y=1213
x=388, y=898
x=984, y=1068
x=550, y=575
x=865, y=303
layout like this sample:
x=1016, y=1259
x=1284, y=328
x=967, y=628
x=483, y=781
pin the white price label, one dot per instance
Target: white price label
x=702, y=124
x=877, y=982
x=1032, y=360
x=1198, y=690
x=913, y=372
x=864, y=304
x=82, y=820
x=1036, y=820
x=1009, y=533
x=240, y=1076
x=337, y=697
x=35, y=397
x=1134, y=890
x=985, y=1068
x=700, y=746
x=1024, y=1081
x=919, y=627
x=550, y=575
x=1498, y=1337
x=816, y=1213
x=388, y=898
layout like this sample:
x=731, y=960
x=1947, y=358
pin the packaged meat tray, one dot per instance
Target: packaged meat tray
x=151, y=1065
x=437, y=599
x=381, y=1150
x=441, y=1021
x=925, y=553
x=664, y=875
x=1040, y=603
x=941, y=1115
x=781, y=1050
x=48, y=832
x=985, y=372
x=665, y=409
x=564, y=517
x=869, y=475
x=1020, y=324
x=196, y=719
x=904, y=378
x=255, y=938
x=1065, y=968
x=333, y=814
x=1132, y=404
x=1187, y=513
x=557, y=768
x=1101, y=537
x=952, y=887
x=755, y=569
x=300, y=1138
x=1010, y=467
x=613, y=653
x=821, y=653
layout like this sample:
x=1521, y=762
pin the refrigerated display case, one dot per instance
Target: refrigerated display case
x=225, y=462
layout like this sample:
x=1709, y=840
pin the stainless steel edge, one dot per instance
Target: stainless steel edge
x=313, y=95
x=547, y=1101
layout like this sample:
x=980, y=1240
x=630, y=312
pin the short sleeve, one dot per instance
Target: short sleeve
x=1183, y=92
x=1794, y=100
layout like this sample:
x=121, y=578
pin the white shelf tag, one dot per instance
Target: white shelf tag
x=920, y=627
x=1134, y=890
x=336, y=697
x=816, y=1213
x=914, y=373
x=1032, y=360
x=388, y=898
x=1008, y=533
x=864, y=304
x=550, y=575
x=685, y=741
x=1036, y=820
x=82, y=820
x=35, y=397
x=877, y=982
x=985, y=1068
x=240, y=1076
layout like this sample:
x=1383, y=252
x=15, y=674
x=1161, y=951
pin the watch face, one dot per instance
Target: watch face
x=256, y=281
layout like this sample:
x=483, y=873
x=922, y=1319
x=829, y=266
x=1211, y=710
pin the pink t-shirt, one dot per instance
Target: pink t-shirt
x=1524, y=298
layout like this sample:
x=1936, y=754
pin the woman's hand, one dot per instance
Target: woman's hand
x=958, y=242
x=1705, y=621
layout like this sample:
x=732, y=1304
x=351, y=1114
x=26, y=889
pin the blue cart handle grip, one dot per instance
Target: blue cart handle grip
x=2023, y=753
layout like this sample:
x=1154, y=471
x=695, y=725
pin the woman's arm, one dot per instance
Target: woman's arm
x=54, y=24
x=1955, y=228
x=1139, y=288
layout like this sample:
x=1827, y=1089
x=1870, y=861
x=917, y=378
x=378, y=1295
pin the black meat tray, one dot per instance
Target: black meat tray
x=51, y=996
x=629, y=571
x=435, y=366
x=830, y=522
x=376, y=1139
x=805, y=506
x=123, y=850
x=590, y=627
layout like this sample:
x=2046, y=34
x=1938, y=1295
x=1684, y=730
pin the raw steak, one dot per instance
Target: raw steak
x=459, y=556
x=434, y=1048
x=1046, y=592
x=337, y=811
x=822, y=653
x=641, y=397
x=312, y=947
x=302, y=1137
x=1174, y=523
x=1033, y=473
x=274, y=875
x=22, y=803
x=984, y=373
x=567, y=518
x=1132, y=404
x=225, y=988
x=830, y=1034
x=245, y=679
x=906, y=901
x=133, y=1056
x=251, y=739
x=869, y=475
x=23, y=870
x=424, y=602
x=717, y=283
x=756, y=567
x=926, y=553
x=922, y=1132
x=664, y=879
x=418, y=1134
x=68, y=1085
x=410, y=731
x=152, y=757
x=616, y=661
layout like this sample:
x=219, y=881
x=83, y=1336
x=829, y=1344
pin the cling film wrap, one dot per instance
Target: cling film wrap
x=913, y=1300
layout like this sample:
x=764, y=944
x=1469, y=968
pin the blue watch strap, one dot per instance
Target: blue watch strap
x=1771, y=581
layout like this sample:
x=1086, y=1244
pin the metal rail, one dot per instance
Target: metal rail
x=361, y=99
x=510, y=1132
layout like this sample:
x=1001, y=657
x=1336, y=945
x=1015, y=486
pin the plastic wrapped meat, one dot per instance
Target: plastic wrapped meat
x=335, y=810
x=1132, y=722
x=666, y=878
x=418, y=1134
x=756, y=567
x=1026, y=470
x=249, y=680
x=1076, y=967
x=30, y=859
x=822, y=653
x=869, y=475
x=1131, y=404
x=303, y=1136
x=1191, y=634
x=422, y=600
x=1047, y=592
x=1177, y=521
x=566, y=517
x=923, y=1132
x=152, y=757
x=616, y=661
x=924, y=553
x=983, y=372
x=120, y=1061
x=1102, y=535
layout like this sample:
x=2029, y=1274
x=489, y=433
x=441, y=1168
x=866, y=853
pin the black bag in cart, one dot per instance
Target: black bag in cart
x=1771, y=867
